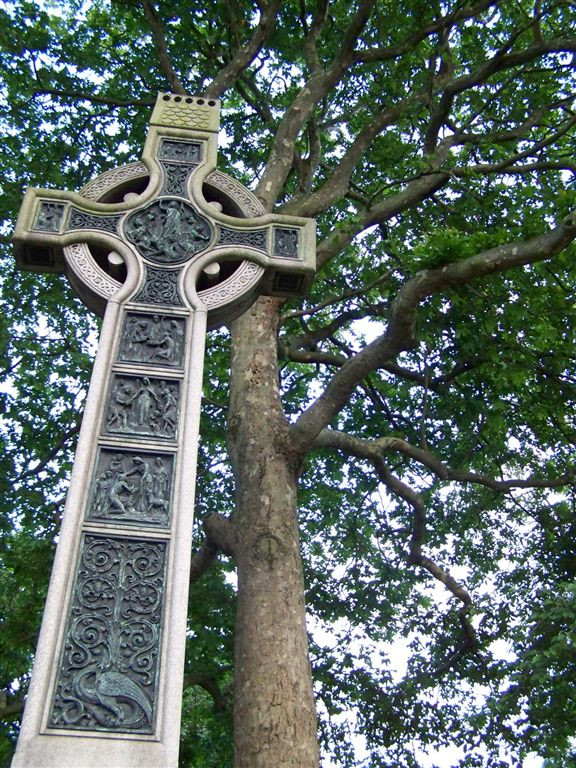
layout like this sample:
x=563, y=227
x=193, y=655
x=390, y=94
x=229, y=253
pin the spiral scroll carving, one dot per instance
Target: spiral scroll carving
x=107, y=679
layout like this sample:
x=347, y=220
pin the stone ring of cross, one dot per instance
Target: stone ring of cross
x=169, y=228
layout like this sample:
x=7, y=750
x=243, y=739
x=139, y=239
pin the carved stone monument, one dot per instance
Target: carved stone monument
x=164, y=249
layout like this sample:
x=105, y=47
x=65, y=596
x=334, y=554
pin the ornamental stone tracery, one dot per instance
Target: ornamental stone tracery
x=165, y=248
x=107, y=676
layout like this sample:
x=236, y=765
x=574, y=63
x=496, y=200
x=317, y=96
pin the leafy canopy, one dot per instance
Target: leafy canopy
x=434, y=144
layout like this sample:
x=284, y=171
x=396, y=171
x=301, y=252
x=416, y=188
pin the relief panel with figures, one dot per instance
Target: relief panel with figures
x=152, y=340
x=132, y=487
x=142, y=405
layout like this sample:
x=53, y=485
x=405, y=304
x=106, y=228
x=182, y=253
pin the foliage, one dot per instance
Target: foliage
x=437, y=511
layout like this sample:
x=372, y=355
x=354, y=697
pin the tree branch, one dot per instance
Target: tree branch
x=336, y=186
x=210, y=685
x=307, y=312
x=11, y=705
x=374, y=451
x=414, y=192
x=202, y=560
x=444, y=23
x=281, y=156
x=502, y=61
x=243, y=57
x=400, y=334
x=161, y=47
x=220, y=533
x=55, y=450
x=313, y=357
x=94, y=98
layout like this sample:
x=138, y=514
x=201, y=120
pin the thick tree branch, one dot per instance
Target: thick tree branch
x=94, y=98
x=243, y=57
x=414, y=192
x=312, y=34
x=444, y=23
x=210, y=685
x=417, y=557
x=502, y=61
x=331, y=300
x=220, y=537
x=400, y=334
x=514, y=170
x=202, y=560
x=220, y=533
x=281, y=156
x=53, y=453
x=374, y=451
x=312, y=357
x=161, y=47
x=336, y=186
x=11, y=705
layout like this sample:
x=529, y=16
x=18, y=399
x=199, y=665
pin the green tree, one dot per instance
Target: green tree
x=408, y=429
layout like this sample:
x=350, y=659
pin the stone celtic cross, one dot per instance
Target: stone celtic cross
x=165, y=249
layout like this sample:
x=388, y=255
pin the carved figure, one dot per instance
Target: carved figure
x=49, y=216
x=139, y=492
x=168, y=230
x=161, y=479
x=136, y=333
x=102, y=492
x=107, y=689
x=144, y=491
x=121, y=400
x=118, y=486
x=156, y=339
x=287, y=243
x=143, y=401
x=143, y=406
x=169, y=413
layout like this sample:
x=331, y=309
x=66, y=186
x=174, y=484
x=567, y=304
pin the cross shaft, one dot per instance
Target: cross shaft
x=164, y=249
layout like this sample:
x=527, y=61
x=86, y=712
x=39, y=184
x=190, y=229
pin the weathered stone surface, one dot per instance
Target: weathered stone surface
x=142, y=245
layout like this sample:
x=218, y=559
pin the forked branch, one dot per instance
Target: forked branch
x=243, y=57
x=401, y=331
x=161, y=47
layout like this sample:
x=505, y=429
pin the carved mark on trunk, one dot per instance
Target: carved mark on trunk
x=266, y=549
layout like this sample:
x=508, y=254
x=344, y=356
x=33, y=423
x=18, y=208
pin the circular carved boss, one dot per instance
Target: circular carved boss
x=168, y=231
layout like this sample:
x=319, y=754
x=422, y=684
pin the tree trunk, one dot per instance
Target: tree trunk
x=274, y=714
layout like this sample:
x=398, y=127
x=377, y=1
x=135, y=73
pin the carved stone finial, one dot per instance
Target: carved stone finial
x=189, y=112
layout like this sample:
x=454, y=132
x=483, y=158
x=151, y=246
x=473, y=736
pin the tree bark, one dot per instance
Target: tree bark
x=274, y=713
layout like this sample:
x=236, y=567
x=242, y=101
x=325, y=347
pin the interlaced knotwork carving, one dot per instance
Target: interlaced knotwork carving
x=80, y=260
x=143, y=406
x=255, y=238
x=132, y=487
x=249, y=203
x=81, y=220
x=246, y=276
x=176, y=176
x=168, y=231
x=95, y=189
x=108, y=672
x=179, y=151
x=160, y=287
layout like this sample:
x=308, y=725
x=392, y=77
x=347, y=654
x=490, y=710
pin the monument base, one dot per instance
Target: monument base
x=74, y=751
